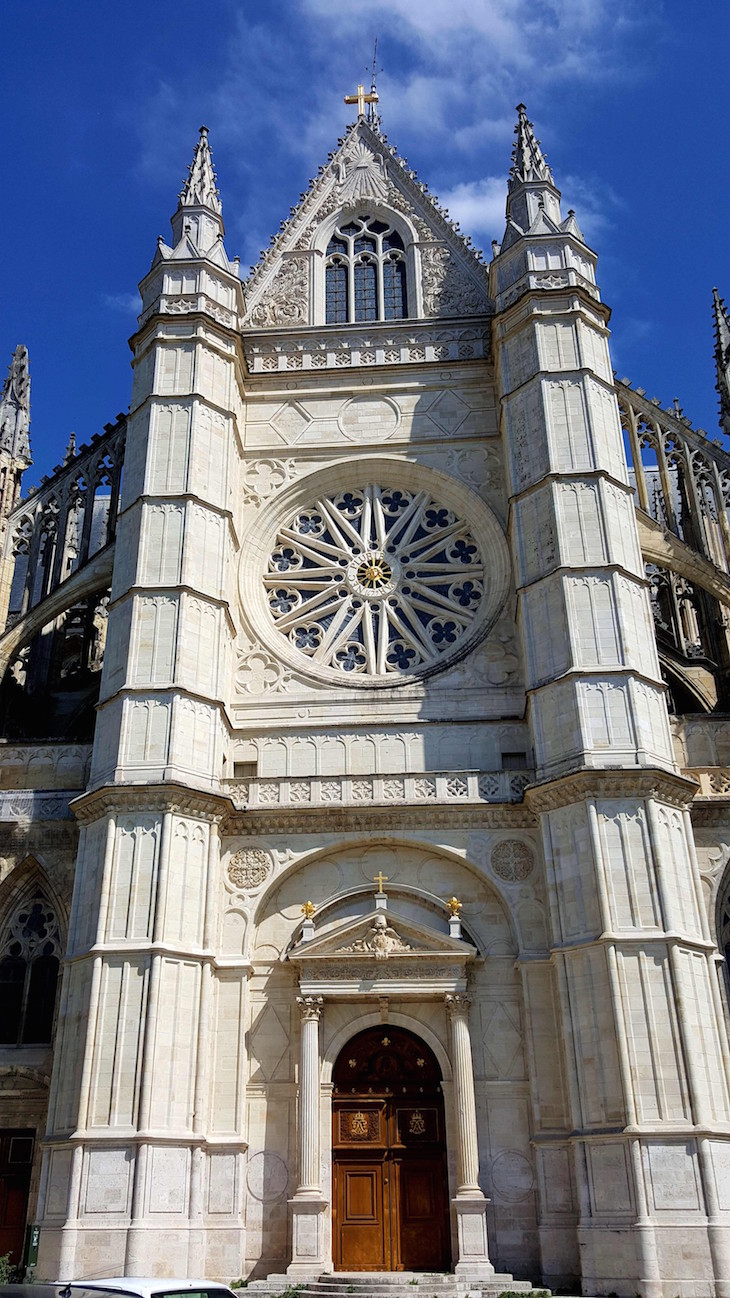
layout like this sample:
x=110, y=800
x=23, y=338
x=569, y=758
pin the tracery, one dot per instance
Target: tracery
x=375, y=580
x=365, y=272
x=30, y=950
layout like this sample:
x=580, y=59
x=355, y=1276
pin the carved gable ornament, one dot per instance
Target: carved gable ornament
x=361, y=174
x=382, y=953
x=365, y=169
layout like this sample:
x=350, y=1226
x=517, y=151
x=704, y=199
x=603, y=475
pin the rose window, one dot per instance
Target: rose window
x=375, y=580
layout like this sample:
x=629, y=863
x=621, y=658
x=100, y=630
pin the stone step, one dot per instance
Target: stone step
x=390, y=1284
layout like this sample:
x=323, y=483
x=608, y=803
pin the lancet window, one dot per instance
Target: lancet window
x=29, y=963
x=365, y=272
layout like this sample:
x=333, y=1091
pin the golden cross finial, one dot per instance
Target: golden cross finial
x=308, y=909
x=454, y=905
x=380, y=879
x=361, y=99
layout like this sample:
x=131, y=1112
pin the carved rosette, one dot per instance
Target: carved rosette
x=512, y=861
x=249, y=868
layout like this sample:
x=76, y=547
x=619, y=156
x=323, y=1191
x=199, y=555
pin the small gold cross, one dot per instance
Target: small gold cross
x=380, y=879
x=361, y=99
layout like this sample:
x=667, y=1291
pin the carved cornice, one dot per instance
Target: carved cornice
x=357, y=820
x=644, y=782
x=154, y=798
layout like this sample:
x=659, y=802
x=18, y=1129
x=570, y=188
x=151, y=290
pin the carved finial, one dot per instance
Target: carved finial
x=200, y=188
x=15, y=408
x=308, y=909
x=454, y=905
x=528, y=159
x=70, y=449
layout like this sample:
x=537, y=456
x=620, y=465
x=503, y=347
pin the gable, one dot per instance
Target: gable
x=366, y=175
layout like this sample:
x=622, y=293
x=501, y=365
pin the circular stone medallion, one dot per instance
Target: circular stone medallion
x=364, y=419
x=512, y=861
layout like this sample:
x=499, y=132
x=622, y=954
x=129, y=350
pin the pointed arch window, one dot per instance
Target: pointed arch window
x=29, y=965
x=365, y=273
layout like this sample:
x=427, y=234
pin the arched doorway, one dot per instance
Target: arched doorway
x=389, y=1192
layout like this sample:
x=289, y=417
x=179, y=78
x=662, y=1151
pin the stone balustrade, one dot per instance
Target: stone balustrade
x=433, y=788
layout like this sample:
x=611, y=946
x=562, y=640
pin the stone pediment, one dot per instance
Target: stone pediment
x=366, y=171
x=378, y=952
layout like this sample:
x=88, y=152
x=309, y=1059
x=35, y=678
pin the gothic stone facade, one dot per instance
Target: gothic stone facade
x=372, y=605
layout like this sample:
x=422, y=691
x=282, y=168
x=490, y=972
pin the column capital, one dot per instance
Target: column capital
x=310, y=1007
x=457, y=1005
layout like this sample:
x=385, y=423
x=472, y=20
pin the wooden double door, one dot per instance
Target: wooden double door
x=390, y=1198
x=16, y=1161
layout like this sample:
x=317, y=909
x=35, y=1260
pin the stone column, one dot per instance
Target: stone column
x=470, y=1204
x=308, y=1205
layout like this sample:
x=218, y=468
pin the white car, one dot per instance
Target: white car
x=120, y=1287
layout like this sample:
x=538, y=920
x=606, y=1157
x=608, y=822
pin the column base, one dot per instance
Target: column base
x=308, y=1244
x=471, y=1223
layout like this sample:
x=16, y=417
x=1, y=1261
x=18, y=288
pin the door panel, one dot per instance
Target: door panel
x=390, y=1207
x=422, y=1214
x=363, y=1237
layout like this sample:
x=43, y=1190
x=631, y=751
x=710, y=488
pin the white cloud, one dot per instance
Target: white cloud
x=478, y=206
x=127, y=303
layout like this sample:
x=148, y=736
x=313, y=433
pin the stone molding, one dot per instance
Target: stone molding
x=359, y=820
x=630, y=782
x=154, y=798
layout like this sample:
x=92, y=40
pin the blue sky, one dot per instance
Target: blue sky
x=101, y=106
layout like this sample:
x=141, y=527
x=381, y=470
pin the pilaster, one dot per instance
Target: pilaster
x=631, y=954
x=141, y=980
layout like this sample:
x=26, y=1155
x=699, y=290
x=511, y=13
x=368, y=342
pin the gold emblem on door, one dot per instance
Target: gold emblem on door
x=416, y=1124
x=359, y=1125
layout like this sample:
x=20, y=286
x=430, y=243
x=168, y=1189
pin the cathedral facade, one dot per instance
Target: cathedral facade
x=364, y=790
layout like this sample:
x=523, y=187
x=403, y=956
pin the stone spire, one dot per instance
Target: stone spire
x=199, y=209
x=528, y=160
x=15, y=409
x=533, y=199
x=200, y=188
x=722, y=358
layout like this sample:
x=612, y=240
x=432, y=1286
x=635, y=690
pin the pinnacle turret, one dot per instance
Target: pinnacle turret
x=15, y=409
x=528, y=160
x=198, y=216
x=722, y=358
x=533, y=198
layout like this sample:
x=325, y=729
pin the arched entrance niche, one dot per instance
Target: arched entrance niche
x=389, y=1175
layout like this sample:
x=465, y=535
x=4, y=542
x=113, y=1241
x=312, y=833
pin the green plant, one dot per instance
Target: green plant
x=240, y=1283
x=291, y=1291
x=9, y=1274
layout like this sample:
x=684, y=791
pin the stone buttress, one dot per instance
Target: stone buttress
x=129, y=1130
x=641, y=1018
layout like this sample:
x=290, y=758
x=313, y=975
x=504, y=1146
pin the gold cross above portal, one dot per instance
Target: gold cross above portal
x=380, y=879
x=361, y=99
